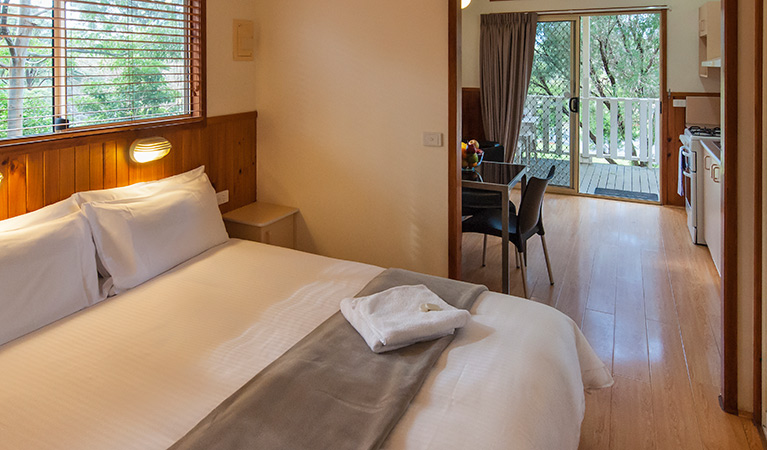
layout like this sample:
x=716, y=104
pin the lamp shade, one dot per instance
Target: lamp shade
x=465, y=3
x=149, y=149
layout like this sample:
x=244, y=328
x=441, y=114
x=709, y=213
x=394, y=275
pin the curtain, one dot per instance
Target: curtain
x=507, y=45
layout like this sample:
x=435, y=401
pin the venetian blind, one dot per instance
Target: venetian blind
x=80, y=64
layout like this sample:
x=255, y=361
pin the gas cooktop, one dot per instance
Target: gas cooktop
x=705, y=131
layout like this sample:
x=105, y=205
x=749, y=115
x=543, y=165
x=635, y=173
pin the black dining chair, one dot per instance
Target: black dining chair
x=474, y=201
x=522, y=225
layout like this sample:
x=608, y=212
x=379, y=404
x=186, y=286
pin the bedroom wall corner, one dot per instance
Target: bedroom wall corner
x=231, y=84
x=345, y=90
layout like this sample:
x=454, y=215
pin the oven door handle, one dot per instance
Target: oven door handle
x=692, y=158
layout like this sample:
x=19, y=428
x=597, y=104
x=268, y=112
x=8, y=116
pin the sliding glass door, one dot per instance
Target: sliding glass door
x=549, y=133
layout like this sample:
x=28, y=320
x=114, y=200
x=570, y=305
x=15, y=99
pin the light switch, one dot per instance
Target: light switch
x=243, y=40
x=432, y=139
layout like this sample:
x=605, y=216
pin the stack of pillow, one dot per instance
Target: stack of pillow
x=50, y=259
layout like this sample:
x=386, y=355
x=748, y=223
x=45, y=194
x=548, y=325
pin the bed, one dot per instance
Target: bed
x=141, y=368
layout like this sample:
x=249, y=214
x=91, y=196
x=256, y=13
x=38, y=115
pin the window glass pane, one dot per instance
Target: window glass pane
x=95, y=63
x=26, y=103
x=126, y=69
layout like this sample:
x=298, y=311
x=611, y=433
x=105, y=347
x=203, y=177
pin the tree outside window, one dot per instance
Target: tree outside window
x=98, y=62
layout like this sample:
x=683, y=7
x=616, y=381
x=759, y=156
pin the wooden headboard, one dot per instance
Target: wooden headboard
x=36, y=175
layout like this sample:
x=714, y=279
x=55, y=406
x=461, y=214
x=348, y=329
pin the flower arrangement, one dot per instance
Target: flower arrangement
x=471, y=155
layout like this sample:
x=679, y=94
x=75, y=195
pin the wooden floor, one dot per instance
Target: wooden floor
x=647, y=299
x=623, y=178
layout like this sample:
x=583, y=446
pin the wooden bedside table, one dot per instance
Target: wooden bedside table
x=263, y=222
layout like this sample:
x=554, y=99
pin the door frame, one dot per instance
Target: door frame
x=728, y=399
x=455, y=125
x=455, y=120
x=575, y=90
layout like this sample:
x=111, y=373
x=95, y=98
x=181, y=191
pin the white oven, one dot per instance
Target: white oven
x=689, y=182
x=692, y=154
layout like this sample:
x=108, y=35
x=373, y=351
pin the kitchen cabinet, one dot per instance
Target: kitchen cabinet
x=709, y=37
x=712, y=202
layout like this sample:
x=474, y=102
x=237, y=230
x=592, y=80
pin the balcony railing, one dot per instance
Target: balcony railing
x=619, y=129
x=622, y=128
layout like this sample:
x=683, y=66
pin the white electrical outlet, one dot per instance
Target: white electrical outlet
x=680, y=103
x=432, y=139
x=222, y=197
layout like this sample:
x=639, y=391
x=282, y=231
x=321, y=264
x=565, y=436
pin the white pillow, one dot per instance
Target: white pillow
x=144, y=189
x=47, y=272
x=42, y=215
x=141, y=238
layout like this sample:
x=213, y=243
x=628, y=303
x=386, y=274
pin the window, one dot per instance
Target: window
x=73, y=65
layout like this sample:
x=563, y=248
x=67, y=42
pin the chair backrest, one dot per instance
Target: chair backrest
x=530, y=207
x=495, y=153
x=473, y=199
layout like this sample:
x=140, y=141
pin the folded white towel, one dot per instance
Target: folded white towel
x=393, y=318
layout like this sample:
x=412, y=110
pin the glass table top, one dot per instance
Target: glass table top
x=493, y=173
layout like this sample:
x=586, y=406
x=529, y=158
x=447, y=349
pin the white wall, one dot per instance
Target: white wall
x=345, y=89
x=231, y=84
x=682, y=36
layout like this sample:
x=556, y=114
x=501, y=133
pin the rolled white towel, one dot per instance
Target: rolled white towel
x=395, y=318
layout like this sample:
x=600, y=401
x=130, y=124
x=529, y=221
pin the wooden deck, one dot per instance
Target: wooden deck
x=625, y=178
x=640, y=180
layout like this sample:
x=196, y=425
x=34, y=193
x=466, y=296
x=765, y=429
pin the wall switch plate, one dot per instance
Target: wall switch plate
x=243, y=40
x=222, y=197
x=680, y=103
x=432, y=139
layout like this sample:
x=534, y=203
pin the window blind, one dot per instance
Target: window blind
x=83, y=64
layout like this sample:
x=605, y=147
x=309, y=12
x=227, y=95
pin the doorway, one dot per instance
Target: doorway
x=621, y=106
x=593, y=107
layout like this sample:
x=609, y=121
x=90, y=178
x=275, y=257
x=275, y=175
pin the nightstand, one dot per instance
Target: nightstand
x=263, y=222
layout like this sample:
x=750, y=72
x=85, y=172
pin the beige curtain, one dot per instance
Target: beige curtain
x=507, y=44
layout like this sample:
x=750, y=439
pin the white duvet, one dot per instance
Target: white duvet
x=141, y=369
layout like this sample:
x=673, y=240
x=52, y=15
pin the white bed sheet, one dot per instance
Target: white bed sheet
x=141, y=369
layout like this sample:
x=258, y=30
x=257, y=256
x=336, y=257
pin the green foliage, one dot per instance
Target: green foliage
x=552, y=63
x=31, y=60
x=625, y=56
x=132, y=79
x=624, y=62
x=117, y=69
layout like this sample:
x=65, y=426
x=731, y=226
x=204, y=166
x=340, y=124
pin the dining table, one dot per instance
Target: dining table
x=498, y=177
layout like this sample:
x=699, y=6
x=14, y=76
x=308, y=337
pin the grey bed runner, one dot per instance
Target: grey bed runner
x=329, y=391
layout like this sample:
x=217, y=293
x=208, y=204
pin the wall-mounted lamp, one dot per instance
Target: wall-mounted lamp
x=465, y=3
x=149, y=149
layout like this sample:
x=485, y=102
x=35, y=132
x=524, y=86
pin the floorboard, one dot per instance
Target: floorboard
x=647, y=300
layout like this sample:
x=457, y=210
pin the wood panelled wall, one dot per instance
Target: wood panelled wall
x=473, y=127
x=36, y=175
